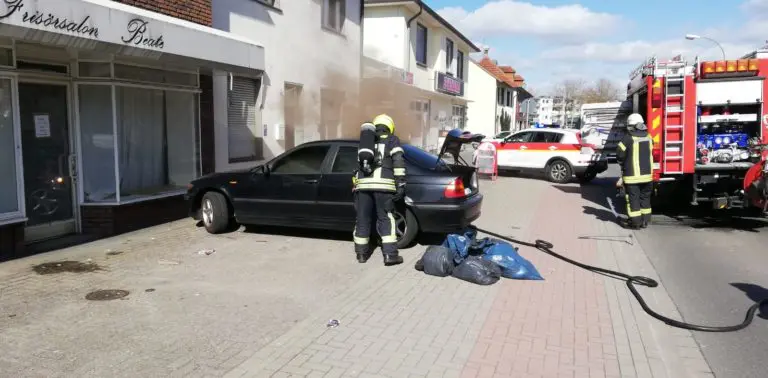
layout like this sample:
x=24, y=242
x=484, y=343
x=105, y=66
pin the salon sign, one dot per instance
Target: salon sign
x=73, y=18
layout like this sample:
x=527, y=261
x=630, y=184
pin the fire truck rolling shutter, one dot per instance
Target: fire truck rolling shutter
x=737, y=92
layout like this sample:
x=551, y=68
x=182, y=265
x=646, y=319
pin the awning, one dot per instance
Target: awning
x=109, y=26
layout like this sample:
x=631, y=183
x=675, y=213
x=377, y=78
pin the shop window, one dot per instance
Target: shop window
x=42, y=67
x=156, y=137
x=334, y=13
x=459, y=116
x=9, y=200
x=155, y=75
x=6, y=56
x=97, y=140
x=242, y=116
x=94, y=69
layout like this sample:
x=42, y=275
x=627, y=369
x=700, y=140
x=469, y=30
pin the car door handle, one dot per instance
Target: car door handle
x=311, y=181
x=552, y=148
x=523, y=147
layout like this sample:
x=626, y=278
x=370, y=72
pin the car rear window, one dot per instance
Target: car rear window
x=420, y=158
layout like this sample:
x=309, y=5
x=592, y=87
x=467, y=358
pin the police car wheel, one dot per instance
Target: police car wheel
x=406, y=227
x=559, y=172
x=214, y=212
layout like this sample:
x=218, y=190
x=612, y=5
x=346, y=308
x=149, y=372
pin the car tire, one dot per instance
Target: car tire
x=411, y=228
x=215, y=213
x=559, y=171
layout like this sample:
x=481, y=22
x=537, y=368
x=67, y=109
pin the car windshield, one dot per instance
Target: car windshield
x=421, y=158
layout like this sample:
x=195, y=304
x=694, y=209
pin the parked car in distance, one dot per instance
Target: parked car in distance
x=310, y=186
x=558, y=153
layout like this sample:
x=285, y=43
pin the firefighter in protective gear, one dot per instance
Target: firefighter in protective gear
x=377, y=193
x=635, y=156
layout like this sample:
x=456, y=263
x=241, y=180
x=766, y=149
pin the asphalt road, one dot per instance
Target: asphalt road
x=714, y=268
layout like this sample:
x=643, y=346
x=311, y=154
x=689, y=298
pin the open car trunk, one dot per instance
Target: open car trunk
x=455, y=140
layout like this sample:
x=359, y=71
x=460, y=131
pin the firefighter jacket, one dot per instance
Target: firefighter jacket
x=635, y=156
x=388, y=168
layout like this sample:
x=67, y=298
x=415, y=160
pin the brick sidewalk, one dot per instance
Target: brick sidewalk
x=406, y=324
x=259, y=306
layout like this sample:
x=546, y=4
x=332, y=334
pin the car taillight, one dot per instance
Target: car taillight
x=455, y=189
x=656, y=155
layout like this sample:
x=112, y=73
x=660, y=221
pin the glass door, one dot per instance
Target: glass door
x=48, y=181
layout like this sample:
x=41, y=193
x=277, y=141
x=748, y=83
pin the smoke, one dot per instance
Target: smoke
x=345, y=101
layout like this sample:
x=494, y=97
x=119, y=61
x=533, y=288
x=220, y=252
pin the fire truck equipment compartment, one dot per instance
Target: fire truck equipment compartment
x=738, y=91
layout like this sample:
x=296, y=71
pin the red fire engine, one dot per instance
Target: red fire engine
x=709, y=124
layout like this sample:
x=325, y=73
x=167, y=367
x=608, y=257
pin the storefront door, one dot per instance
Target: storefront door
x=45, y=142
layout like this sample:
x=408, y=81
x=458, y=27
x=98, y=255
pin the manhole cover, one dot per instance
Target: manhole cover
x=106, y=295
x=65, y=266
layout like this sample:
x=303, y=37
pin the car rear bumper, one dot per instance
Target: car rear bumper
x=597, y=165
x=446, y=218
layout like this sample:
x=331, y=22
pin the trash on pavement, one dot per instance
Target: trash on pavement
x=478, y=270
x=457, y=249
x=333, y=323
x=206, y=252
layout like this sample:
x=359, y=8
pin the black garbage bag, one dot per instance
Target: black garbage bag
x=477, y=270
x=436, y=261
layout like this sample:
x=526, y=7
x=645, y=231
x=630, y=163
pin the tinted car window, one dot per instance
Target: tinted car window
x=346, y=160
x=307, y=160
x=546, y=137
x=521, y=137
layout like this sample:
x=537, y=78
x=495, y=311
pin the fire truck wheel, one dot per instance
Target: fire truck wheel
x=559, y=171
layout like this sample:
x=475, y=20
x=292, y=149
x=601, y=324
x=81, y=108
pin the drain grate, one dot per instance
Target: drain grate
x=106, y=295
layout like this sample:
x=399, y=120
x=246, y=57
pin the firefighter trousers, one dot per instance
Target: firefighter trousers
x=378, y=206
x=639, y=203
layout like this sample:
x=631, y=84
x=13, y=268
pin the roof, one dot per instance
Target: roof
x=432, y=13
x=505, y=74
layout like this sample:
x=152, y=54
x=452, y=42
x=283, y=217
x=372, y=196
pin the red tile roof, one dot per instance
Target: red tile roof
x=505, y=74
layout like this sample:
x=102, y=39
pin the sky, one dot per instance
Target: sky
x=551, y=41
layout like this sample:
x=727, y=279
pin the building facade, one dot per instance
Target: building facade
x=107, y=112
x=309, y=89
x=510, y=92
x=429, y=57
x=482, y=110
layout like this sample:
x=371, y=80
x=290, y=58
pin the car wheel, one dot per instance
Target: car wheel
x=406, y=228
x=214, y=212
x=559, y=171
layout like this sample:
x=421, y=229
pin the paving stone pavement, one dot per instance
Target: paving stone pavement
x=259, y=306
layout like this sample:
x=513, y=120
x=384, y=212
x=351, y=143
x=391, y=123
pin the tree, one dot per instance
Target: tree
x=602, y=91
x=505, y=121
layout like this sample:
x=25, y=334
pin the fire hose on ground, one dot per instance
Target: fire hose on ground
x=631, y=281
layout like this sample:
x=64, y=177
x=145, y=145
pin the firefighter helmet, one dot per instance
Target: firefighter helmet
x=634, y=119
x=385, y=120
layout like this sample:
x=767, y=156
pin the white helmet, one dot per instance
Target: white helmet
x=634, y=119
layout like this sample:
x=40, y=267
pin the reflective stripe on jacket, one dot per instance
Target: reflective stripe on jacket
x=389, y=167
x=635, y=154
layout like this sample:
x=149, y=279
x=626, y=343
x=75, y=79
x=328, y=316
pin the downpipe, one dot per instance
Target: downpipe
x=631, y=281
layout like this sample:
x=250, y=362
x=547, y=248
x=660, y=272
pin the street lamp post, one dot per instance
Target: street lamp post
x=692, y=37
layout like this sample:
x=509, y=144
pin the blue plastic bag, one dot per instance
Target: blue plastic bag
x=511, y=263
x=460, y=245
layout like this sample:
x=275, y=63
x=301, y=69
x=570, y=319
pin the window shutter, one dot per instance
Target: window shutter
x=244, y=144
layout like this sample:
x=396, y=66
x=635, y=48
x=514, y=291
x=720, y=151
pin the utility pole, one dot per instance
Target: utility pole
x=565, y=96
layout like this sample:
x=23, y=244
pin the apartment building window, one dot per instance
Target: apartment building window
x=421, y=44
x=448, y=56
x=334, y=13
x=244, y=145
x=509, y=98
x=500, y=96
x=460, y=65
